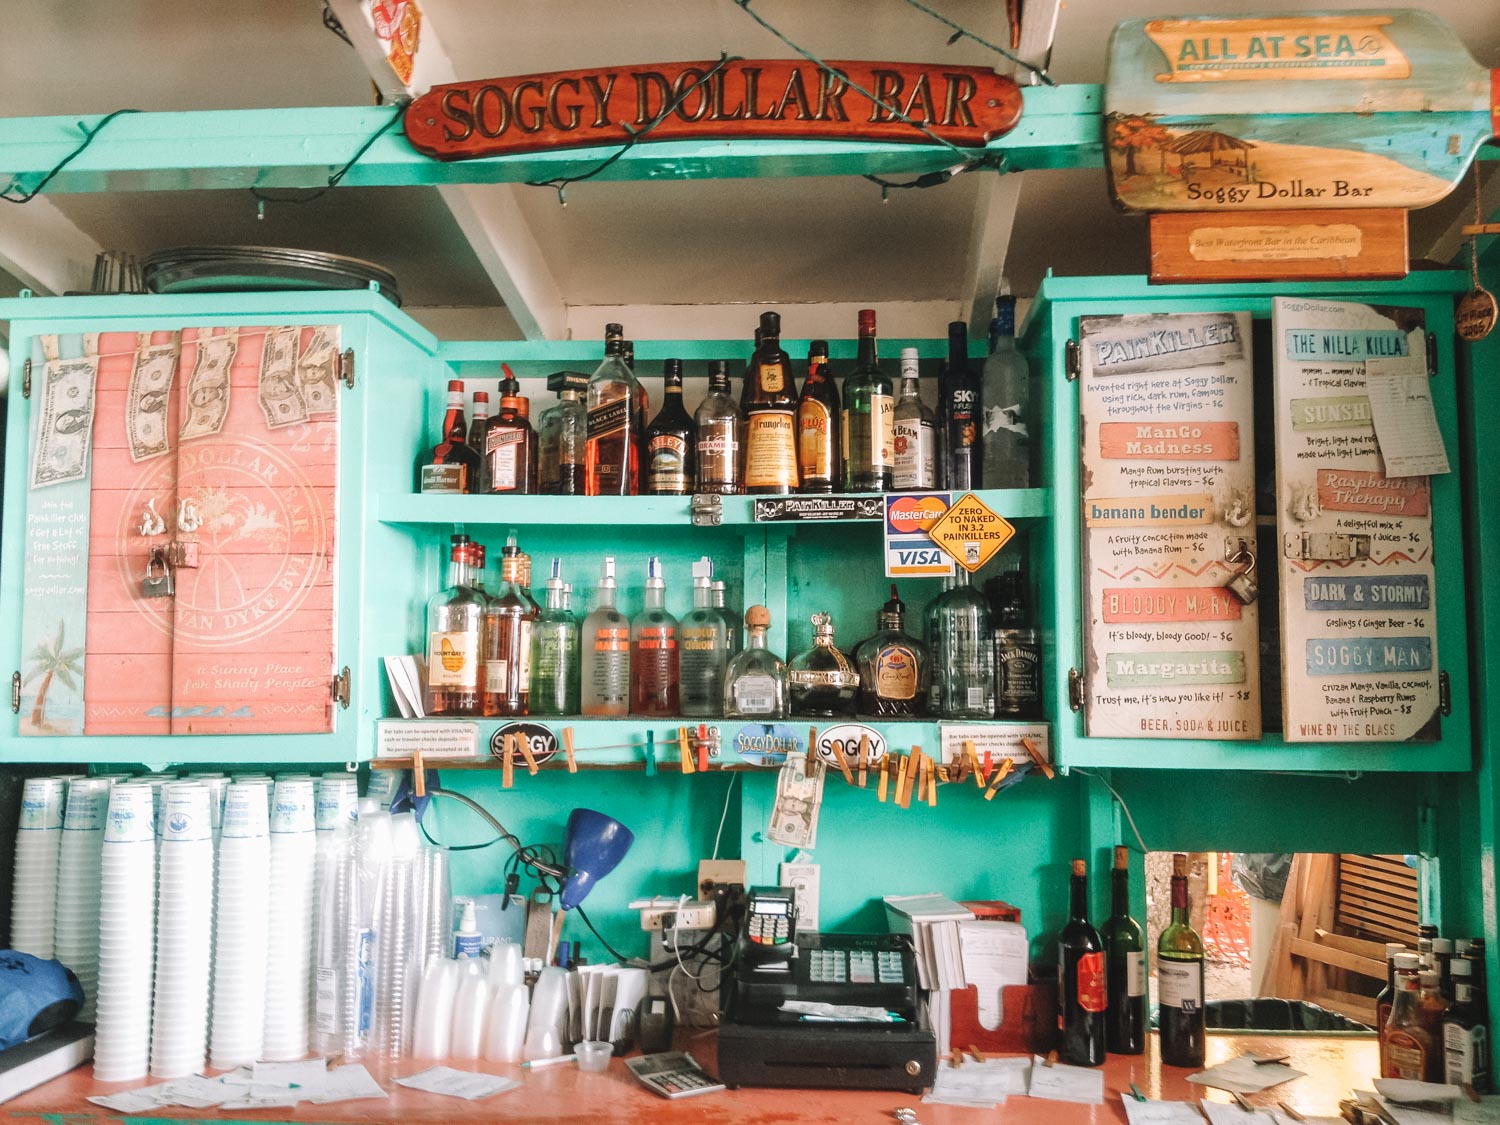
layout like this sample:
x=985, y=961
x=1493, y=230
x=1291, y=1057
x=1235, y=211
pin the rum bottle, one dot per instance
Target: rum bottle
x=893, y=666
x=1405, y=1045
x=670, y=439
x=455, y=616
x=606, y=652
x=1081, y=999
x=959, y=466
x=717, y=446
x=561, y=436
x=821, y=680
x=1466, y=1031
x=705, y=649
x=510, y=449
x=914, y=445
x=611, y=452
x=653, y=651
x=818, y=424
x=476, y=439
x=1005, y=391
x=508, y=621
x=1179, y=979
x=755, y=684
x=963, y=652
x=555, y=652
x=452, y=466
x=771, y=416
x=1125, y=967
x=869, y=417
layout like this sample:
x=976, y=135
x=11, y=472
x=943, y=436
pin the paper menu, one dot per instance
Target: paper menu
x=994, y=956
x=1400, y=394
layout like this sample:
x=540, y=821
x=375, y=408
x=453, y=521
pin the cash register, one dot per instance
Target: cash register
x=826, y=1011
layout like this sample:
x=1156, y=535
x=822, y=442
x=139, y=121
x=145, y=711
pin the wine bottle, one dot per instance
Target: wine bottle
x=1179, y=979
x=1125, y=967
x=1080, y=980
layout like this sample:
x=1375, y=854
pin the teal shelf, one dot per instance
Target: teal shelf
x=1269, y=753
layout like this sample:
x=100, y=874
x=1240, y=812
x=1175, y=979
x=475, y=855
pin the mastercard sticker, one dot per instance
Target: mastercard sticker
x=909, y=550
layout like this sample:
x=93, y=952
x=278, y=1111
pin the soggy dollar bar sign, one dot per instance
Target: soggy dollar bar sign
x=768, y=98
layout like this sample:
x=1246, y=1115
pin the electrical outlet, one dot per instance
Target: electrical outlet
x=715, y=871
x=806, y=880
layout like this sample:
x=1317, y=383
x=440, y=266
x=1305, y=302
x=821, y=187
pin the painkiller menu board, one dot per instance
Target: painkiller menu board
x=1168, y=519
x=1358, y=619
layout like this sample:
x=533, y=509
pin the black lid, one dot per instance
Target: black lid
x=719, y=369
x=567, y=381
x=770, y=324
x=456, y=540
x=613, y=330
x=671, y=370
x=895, y=607
x=958, y=330
x=818, y=347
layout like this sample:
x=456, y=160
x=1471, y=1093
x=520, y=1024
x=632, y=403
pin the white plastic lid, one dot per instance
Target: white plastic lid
x=468, y=922
x=1442, y=945
x=1407, y=961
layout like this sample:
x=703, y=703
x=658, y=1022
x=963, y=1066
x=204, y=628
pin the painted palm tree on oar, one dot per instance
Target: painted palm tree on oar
x=48, y=661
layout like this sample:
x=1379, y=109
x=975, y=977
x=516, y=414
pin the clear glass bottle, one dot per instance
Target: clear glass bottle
x=893, y=666
x=653, y=651
x=508, y=620
x=914, y=446
x=477, y=428
x=869, y=416
x=963, y=652
x=771, y=416
x=451, y=466
x=755, y=685
x=705, y=649
x=455, y=616
x=561, y=432
x=1005, y=393
x=612, y=450
x=1179, y=979
x=959, y=448
x=670, y=439
x=718, y=424
x=731, y=620
x=822, y=680
x=606, y=652
x=510, y=449
x=818, y=424
x=555, y=652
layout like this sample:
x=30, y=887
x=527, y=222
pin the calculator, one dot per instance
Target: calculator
x=673, y=1074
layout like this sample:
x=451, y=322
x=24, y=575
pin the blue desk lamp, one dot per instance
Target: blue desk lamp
x=593, y=846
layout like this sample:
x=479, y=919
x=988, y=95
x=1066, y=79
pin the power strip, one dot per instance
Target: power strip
x=697, y=1002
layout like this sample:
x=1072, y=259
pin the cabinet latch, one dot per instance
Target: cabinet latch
x=1445, y=695
x=26, y=379
x=15, y=693
x=707, y=509
x=341, y=688
x=1075, y=689
x=1072, y=360
x=1432, y=355
x=346, y=367
x=1325, y=546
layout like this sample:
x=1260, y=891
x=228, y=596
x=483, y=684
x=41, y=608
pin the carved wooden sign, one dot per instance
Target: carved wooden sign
x=743, y=98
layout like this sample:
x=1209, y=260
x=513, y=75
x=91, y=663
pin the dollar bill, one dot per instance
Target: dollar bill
x=65, y=421
x=280, y=400
x=799, y=798
x=150, y=394
x=317, y=370
x=208, y=387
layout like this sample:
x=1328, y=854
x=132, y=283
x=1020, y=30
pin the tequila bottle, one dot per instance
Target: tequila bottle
x=893, y=666
x=454, y=618
x=963, y=652
x=822, y=680
x=554, y=652
x=606, y=652
x=755, y=685
x=653, y=651
x=705, y=649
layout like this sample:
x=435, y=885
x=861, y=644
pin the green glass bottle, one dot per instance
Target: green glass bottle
x=1179, y=979
x=1125, y=967
x=555, y=656
x=868, y=431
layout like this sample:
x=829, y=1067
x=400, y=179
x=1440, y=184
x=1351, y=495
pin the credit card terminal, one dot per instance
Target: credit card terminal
x=770, y=925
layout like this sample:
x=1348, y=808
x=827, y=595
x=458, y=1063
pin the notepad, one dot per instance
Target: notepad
x=1138, y=1112
x=1243, y=1075
x=1060, y=1083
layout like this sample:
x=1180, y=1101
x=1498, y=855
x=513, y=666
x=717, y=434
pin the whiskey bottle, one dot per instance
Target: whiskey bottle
x=455, y=617
x=1018, y=651
x=959, y=467
x=506, y=642
x=818, y=424
x=869, y=417
x=755, y=684
x=893, y=667
x=822, y=681
x=452, y=466
x=963, y=652
x=611, y=453
x=476, y=439
x=606, y=652
x=561, y=434
x=717, y=445
x=914, y=445
x=554, y=652
x=771, y=416
x=510, y=449
x=705, y=649
x=1005, y=398
x=653, y=651
x=670, y=440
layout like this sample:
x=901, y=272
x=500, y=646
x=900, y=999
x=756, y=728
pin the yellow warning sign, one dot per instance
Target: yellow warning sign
x=971, y=533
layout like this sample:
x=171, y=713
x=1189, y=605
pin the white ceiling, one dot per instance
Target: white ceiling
x=709, y=242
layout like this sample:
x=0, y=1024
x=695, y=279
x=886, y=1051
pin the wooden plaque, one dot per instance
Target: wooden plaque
x=1270, y=245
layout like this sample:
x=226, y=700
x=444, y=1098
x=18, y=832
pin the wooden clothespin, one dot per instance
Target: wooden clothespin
x=843, y=764
x=524, y=746
x=507, y=764
x=957, y=1058
x=685, y=751
x=1239, y=1100
x=702, y=748
x=812, y=748
x=1000, y=775
x=567, y=733
x=885, y=777
x=1051, y=1059
x=989, y=766
x=972, y=760
x=1290, y=1111
x=864, y=758
x=1036, y=756
x=902, y=781
x=650, y=754
x=418, y=774
x=929, y=773
x=976, y=1053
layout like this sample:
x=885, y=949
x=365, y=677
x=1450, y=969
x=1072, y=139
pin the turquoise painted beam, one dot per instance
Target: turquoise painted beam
x=300, y=148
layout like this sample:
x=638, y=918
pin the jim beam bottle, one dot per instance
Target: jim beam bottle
x=612, y=453
x=771, y=416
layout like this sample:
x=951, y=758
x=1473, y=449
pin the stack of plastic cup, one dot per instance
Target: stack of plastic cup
x=289, y=947
x=34, y=893
x=337, y=804
x=127, y=931
x=435, y=904
x=76, y=923
x=239, y=980
x=184, y=925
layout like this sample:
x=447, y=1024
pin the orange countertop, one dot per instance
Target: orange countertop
x=1334, y=1066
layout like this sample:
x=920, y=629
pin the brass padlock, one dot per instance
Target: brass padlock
x=183, y=554
x=1242, y=583
x=158, y=581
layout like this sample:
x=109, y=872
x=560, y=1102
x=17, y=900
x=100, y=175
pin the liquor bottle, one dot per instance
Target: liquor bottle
x=506, y=644
x=611, y=452
x=705, y=649
x=561, y=436
x=476, y=439
x=1179, y=979
x=869, y=417
x=1405, y=1045
x=731, y=621
x=1426, y=934
x=1466, y=1031
x=452, y=466
x=821, y=680
x=510, y=386
x=1004, y=394
x=511, y=449
x=554, y=652
x=642, y=398
x=1125, y=967
x=893, y=667
x=478, y=568
x=670, y=439
x=1442, y=960
x=717, y=445
x=959, y=467
x=1080, y=980
x=747, y=381
x=455, y=616
x=755, y=684
x=771, y=416
x=1388, y=993
x=606, y=652
x=1018, y=651
x=818, y=424
x=1431, y=1007
x=653, y=651
x=914, y=444
x=963, y=652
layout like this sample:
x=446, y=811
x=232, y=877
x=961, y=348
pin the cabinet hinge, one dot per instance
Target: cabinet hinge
x=1072, y=360
x=1075, y=689
x=707, y=509
x=26, y=379
x=346, y=367
x=15, y=693
x=1445, y=694
x=341, y=688
x=1432, y=355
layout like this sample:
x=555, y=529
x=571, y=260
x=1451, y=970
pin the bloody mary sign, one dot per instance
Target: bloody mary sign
x=777, y=98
